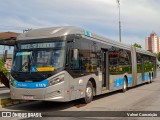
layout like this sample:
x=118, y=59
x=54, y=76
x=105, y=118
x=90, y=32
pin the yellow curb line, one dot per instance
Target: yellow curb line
x=5, y=102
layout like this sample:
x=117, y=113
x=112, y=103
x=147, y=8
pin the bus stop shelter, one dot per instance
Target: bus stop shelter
x=7, y=39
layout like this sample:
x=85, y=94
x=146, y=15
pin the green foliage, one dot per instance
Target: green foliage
x=148, y=66
x=139, y=68
x=137, y=45
x=3, y=69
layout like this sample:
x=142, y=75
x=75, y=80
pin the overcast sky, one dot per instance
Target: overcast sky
x=138, y=17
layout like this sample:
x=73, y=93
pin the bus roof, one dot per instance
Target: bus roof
x=67, y=30
x=145, y=52
x=70, y=30
x=50, y=32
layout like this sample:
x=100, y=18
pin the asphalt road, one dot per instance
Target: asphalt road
x=144, y=97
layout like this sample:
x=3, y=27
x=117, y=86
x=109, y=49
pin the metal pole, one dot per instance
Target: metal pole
x=118, y=1
x=4, y=52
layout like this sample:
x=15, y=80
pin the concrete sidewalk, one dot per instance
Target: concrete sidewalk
x=5, y=99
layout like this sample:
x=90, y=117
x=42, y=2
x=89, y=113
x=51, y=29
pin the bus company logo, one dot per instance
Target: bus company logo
x=6, y=114
x=21, y=85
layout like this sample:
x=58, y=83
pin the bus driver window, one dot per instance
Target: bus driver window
x=75, y=59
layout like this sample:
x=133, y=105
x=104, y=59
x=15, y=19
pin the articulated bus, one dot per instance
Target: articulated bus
x=68, y=63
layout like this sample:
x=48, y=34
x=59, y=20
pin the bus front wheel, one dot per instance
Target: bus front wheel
x=124, y=89
x=88, y=93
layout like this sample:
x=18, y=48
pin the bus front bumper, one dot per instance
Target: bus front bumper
x=51, y=93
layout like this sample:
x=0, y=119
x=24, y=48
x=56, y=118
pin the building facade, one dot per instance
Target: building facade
x=152, y=43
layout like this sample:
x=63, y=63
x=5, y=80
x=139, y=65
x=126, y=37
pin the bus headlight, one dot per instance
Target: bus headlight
x=56, y=80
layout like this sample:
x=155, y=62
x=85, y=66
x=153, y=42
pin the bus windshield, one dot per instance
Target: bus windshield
x=37, y=61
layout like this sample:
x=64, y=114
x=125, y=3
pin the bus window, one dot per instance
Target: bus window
x=124, y=61
x=123, y=58
x=148, y=64
x=89, y=56
x=84, y=56
x=75, y=59
x=139, y=63
x=119, y=61
x=113, y=58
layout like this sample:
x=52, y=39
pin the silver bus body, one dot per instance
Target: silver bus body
x=72, y=88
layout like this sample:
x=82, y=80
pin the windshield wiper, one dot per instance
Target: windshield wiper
x=30, y=63
x=21, y=68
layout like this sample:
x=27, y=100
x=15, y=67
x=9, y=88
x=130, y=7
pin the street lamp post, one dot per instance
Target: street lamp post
x=118, y=1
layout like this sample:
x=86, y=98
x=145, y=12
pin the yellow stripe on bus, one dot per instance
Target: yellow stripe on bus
x=40, y=69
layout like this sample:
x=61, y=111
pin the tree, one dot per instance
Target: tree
x=3, y=68
x=137, y=45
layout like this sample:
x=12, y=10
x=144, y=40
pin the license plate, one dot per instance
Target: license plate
x=27, y=97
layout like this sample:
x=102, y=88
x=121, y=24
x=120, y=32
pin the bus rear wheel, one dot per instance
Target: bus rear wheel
x=88, y=93
x=150, y=78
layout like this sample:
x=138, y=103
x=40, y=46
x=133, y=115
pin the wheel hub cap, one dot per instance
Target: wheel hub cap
x=89, y=92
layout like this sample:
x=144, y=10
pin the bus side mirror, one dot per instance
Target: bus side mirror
x=75, y=54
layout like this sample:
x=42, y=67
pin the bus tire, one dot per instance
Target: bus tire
x=124, y=89
x=88, y=93
x=150, y=78
x=149, y=81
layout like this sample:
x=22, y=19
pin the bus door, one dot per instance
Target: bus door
x=142, y=61
x=105, y=69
